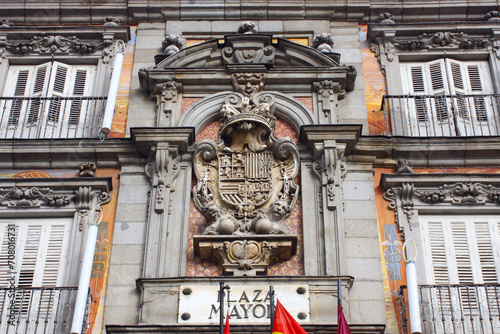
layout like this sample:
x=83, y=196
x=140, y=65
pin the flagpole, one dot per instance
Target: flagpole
x=339, y=291
x=221, y=307
x=271, y=308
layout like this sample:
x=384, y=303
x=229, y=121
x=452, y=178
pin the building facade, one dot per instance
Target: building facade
x=329, y=150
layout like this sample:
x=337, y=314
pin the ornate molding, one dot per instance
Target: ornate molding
x=443, y=39
x=245, y=257
x=53, y=44
x=32, y=197
x=249, y=49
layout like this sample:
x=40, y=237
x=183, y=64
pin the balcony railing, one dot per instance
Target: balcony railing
x=50, y=117
x=460, y=309
x=442, y=115
x=37, y=310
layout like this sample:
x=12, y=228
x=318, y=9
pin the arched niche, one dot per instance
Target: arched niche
x=207, y=110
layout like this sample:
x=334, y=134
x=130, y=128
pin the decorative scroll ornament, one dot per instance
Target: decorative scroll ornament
x=248, y=50
x=445, y=39
x=32, y=197
x=54, y=44
x=246, y=179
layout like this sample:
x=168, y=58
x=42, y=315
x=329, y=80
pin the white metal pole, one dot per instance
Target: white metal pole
x=112, y=94
x=413, y=303
x=83, y=285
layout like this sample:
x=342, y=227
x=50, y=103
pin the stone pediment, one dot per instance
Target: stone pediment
x=247, y=49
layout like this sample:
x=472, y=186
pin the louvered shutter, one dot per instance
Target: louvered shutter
x=29, y=83
x=40, y=250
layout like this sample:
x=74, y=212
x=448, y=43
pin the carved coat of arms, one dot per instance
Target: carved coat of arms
x=245, y=180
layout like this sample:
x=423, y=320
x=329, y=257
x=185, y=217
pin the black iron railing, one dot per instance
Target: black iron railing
x=442, y=115
x=50, y=117
x=461, y=309
x=37, y=310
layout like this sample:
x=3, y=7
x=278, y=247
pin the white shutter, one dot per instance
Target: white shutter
x=41, y=249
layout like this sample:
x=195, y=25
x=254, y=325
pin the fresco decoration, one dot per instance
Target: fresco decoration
x=375, y=86
x=187, y=102
x=394, y=273
x=119, y=124
x=308, y=102
x=293, y=267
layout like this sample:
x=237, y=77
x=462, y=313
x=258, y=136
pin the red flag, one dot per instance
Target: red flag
x=343, y=327
x=226, y=328
x=284, y=323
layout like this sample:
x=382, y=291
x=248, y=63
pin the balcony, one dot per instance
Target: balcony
x=37, y=310
x=460, y=309
x=441, y=115
x=50, y=117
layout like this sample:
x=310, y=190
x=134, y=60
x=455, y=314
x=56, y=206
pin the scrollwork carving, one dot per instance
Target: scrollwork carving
x=442, y=39
x=53, y=44
x=32, y=197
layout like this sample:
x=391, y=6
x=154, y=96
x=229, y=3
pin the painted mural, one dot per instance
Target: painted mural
x=119, y=124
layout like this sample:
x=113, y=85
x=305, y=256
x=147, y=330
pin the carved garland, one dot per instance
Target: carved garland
x=456, y=194
x=32, y=197
x=55, y=44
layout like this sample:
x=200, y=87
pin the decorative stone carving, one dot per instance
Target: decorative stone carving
x=492, y=16
x=162, y=172
x=7, y=24
x=87, y=169
x=247, y=28
x=245, y=257
x=32, y=197
x=89, y=205
x=245, y=184
x=246, y=179
x=172, y=44
x=248, y=84
x=329, y=92
x=443, y=39
x=166, y=97
x=386, y=18
x=253, y=49
x=53, y=44
x=323, y=42
x=111, y=22
x=404, y=167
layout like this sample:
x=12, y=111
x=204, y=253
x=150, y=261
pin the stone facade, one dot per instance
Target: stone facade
x=249, y=156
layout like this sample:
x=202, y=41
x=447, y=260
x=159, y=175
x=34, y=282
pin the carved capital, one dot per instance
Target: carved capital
x=245, y=257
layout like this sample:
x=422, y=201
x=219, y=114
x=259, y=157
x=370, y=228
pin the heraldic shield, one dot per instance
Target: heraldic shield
x=245, y=180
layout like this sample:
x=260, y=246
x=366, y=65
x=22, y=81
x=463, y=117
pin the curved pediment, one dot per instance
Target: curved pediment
x=247, y=49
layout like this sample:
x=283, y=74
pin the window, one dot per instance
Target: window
x=32, y=263
x=462, y=264
x=447, y=97
x=51, y=100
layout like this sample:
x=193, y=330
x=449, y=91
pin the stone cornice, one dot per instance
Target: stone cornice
x=65, y=153
x=428, y=152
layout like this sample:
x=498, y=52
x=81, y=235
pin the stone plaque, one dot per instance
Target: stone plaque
x=199, y=304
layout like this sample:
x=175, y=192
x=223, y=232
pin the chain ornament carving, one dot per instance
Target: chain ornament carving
x=444, y=39
x=32, y=197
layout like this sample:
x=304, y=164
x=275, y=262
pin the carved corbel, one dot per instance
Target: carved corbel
x=496, y=42
x=162, y=172
x=166, y=98
x=332, y=155
x=89, y=205
x=389, y=45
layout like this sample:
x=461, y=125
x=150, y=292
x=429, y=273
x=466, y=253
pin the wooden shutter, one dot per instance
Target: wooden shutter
x=40, y=251
x=26, y=82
